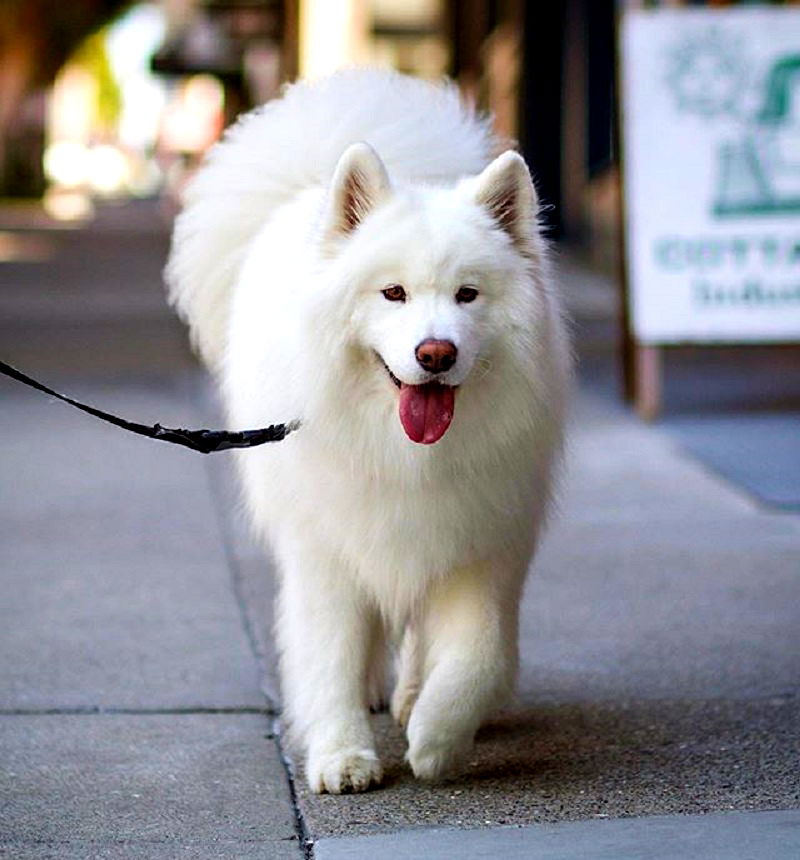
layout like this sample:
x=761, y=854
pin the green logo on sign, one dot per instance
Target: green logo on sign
x=758, y=173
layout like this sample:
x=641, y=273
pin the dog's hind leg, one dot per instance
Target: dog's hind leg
x=377, y=682
x=409, y=674
x=325, y=628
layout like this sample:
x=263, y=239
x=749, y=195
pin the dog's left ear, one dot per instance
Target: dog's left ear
x=359, y=184
x=506, y=191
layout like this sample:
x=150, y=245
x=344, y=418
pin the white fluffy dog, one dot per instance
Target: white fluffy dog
x=351, y=256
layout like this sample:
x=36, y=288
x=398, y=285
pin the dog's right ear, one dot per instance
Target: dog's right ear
x=359, y=184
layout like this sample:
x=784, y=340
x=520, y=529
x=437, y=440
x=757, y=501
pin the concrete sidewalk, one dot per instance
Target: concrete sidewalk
x=133, y=722
x=660, y=641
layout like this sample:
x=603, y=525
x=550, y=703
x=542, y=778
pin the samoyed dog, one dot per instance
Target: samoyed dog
x=354, y=256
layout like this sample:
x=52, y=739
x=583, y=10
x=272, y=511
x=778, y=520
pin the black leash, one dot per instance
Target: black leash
x=205, y=441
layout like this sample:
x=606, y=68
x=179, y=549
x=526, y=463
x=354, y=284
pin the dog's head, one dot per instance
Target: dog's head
x=434, y=276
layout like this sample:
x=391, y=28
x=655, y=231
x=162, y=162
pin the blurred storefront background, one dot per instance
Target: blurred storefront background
x=102, y=99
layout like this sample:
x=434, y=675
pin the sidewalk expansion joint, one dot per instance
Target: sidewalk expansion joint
x=304, y=838
x=305, y=842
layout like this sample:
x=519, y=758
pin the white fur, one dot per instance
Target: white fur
x=378, y=538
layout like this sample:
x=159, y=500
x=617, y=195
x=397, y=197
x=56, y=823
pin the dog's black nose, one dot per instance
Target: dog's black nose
x=436, y=356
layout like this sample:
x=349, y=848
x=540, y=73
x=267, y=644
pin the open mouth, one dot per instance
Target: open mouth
x=394, y=379
x=426, y=410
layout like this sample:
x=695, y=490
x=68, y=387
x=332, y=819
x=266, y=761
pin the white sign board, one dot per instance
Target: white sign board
x=711, y=147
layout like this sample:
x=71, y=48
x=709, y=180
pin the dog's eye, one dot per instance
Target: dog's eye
x=466, y=295
x=395, y=293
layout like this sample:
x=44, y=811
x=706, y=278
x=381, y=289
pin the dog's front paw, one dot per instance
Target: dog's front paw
x=343, y=771
x=436, y=755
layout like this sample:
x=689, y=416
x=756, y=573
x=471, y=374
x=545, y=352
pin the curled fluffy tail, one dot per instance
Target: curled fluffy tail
x=421, y=132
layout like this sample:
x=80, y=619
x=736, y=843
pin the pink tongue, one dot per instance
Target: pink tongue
x=426, y=411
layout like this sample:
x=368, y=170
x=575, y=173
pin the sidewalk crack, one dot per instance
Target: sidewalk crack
x=304, y=837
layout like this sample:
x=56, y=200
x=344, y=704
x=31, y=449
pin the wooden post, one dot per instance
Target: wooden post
x=647, y=380
x=290, y=41
x=626, y=344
